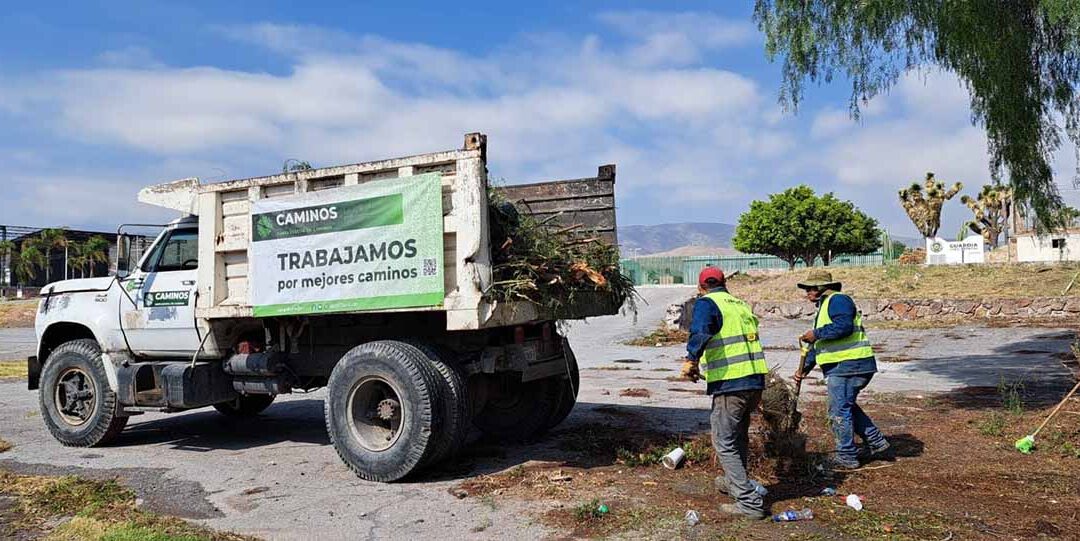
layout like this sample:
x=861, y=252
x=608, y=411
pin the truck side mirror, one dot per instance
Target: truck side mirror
x=123, y=255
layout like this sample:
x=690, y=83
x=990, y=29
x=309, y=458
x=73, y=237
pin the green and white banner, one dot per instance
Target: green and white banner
x=372, y=246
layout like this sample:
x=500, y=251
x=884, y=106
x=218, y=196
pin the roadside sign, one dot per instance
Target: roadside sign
x=372, y=246
x=947, y=252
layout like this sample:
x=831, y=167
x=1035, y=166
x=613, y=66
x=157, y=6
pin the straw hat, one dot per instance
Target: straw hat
x=818, y=278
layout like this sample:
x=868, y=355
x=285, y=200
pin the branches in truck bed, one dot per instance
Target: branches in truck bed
x=550, y=264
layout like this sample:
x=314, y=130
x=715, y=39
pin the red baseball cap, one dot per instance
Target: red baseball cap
x=710, y=272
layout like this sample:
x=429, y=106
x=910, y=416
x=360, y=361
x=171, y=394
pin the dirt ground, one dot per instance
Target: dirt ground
x=956, y=475
x=17, y=314
x=920, y=282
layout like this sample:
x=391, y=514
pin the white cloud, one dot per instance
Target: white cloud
x=557, y=109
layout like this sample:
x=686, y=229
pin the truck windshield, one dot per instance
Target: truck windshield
x=178, y=251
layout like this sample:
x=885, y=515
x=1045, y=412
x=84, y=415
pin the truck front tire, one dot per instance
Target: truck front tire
x=385, y=409
x=79, y=407
x=245, y=406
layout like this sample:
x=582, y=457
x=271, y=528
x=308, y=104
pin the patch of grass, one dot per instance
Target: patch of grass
x=1011, y=394
x=919, y=282
x=698, y=451
x=662, y=336
x=100, y=511
x=12, y=369
x=4, y=446
x=17, y=313
x=588, y=511
x=871, y=525
x=993, y=425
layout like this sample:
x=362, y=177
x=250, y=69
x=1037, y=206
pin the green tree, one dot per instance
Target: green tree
x=924, y=208
x=7, y=250
x=96, y=250
x=1019, y=60
x=797, y=224
x=31, y=257
x=76, y=259
x=991, y=208
x=52, y=239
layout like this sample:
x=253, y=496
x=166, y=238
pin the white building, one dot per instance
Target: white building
x=1030, y=246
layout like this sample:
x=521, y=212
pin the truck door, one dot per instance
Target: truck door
x=158, y=314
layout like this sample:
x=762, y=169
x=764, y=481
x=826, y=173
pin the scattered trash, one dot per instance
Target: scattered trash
x=828, y=491
x=854, y=501
x=602, y=509
x=459, y=493
x=649, y=483
x=792, y=516
x=759, y=488
x=692, y=518
x=673, y=459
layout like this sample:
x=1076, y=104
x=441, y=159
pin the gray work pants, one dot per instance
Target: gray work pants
x=731, y=438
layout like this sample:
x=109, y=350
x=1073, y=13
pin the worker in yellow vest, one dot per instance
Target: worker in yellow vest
x=842, y=349
x=724, y=349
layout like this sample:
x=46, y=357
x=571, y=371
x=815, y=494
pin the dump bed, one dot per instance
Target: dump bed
x=226, y=230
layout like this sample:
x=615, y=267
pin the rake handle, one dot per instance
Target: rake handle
x=1052, y=413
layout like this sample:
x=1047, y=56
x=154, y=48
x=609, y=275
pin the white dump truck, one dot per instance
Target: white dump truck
x=369, y=279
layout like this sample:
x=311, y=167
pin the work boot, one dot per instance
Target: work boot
x=880, y=452
x=838, y=464
x=734, y=509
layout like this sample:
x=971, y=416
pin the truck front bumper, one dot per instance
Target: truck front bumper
x=33, y=372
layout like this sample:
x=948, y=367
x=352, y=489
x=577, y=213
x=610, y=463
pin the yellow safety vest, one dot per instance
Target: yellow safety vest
x=851, y=347
x=734, y=352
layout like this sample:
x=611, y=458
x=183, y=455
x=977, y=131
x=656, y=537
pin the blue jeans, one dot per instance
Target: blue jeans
x=848, y=419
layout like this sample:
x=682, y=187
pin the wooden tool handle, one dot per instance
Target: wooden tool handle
x=1052, y=413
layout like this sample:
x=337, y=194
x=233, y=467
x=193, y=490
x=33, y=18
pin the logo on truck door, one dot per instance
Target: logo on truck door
x=154, y=299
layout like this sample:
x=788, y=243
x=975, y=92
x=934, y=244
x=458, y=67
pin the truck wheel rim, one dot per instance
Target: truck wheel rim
x=75, y=396
x=376, y=413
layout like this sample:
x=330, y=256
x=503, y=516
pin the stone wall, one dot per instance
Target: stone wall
x=908, y=309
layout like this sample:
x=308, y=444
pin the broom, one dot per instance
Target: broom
x=1027, y=443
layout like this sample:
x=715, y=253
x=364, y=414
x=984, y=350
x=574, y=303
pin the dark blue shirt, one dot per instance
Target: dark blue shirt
x=842, y=313
x=706, y=322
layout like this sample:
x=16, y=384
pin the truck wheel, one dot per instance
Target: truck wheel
x=567, y=389
x=384, y=409
x=457, y=409
x=246, y=405
x=79, y=407
x=517, y=411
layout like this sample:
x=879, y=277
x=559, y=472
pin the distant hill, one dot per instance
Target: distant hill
x=639, y=240
x=689, y=239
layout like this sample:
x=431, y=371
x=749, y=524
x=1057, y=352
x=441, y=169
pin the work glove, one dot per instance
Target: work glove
x=690, y=370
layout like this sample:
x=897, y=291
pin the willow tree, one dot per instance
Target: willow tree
x=1018, y=59
x=924, y=206
x=991, y=208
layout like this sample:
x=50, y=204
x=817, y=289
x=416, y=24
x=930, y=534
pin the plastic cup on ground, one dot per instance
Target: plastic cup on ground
x=673, y=459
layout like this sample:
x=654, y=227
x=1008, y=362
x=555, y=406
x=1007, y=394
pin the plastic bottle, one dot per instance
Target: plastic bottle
x=828, y=491
x=792, y=516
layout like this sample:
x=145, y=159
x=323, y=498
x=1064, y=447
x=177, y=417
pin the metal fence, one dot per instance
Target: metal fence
x=684, y=270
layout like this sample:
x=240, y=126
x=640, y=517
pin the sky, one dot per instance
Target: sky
x=99, y=99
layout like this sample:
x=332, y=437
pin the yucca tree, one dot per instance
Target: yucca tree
x=52, y=239
x=7, y=249
x=31, y=257
x=95, y=250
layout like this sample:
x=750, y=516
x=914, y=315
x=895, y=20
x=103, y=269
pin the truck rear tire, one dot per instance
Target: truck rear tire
x=79, y=407
x=457, y=409
x=245, y=406
x=567, y=390
x=385, y=409
x=518, y=411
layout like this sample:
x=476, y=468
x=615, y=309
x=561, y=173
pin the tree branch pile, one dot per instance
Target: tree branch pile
x=551, y=265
